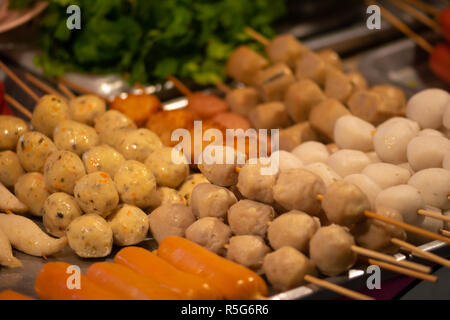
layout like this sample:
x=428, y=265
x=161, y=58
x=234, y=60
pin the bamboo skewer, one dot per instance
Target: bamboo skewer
x=18, y=106
x=41, y=85
x=404, y=271
x=421, y=253
x=223, y=87
x=80, y=89
x=401, y=26
x=381, y=256
x=338, y=289
x=19, y=82
x=180, y=86
x=445, y=232
x=425, y=7
x=256, y=35
x=433, y=215
x=408, y=227
x=417, y=14
x=69, y=94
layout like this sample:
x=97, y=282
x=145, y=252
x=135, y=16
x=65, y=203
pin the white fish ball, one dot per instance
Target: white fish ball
x=387, y=175
x=427, y=152
x=434, y=185
x=351, y=132
x=310, y=152
x=346, y=162
x=427, y=107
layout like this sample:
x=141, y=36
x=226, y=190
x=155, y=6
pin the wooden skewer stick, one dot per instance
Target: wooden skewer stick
x=391, y=259
x=404, y=271
x=69, y=94
x=425, y=7
x=256, y=35
x=19, y=82
x=223, y=87
x=180, y=86
x=417, y=14
x=18, y=106
x=445, y=232
x=41, y=85
x=80, y=89
x=338, y=289
x=421, y=253
x=401, y=26
x=408, y=227
x=433, y=215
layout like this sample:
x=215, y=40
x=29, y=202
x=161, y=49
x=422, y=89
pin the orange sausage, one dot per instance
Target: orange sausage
x=51, y=284
x=12, y=295
x=125, y=282
x=233, y=280
x=206, y=106
x=148, y=264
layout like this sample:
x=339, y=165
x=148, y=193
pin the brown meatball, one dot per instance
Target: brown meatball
x=242, y=100
x=208, y=200
x=223, y=174
x=330, y=250
x=170, y=220
x=324, y=115
x=301, y=97
x=271, y=115
x=209, y=232
x=273, y=81
x=285, y=48
x=254, y=184
x=296, y=135
x=248, y=251
x=244, y=63
x=297, y=189
x=331, y=57
x=312, y=66
x=294, y=228
x=286, y=268
x=249, y=217
x=344, y=203
x=338, y=85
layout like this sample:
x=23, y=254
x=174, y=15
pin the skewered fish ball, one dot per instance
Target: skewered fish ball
x=427, y=107
x=136, y=184
x=74, y=136
x=446, y=161
x=86, y=108
x=96, y=193
x=285, y=160
x=10, y=168
x=376, y=235
x=33, y=148
x=286, y=268
x=90, y=236
x=209, y=200
x=272, y=82
x=242, y=100
x=59, y=209
x=405, y=199
x=248, y=217
x=346, y=162
x=285, y=48
x=301, y=97
x=102, y=158
x=327, y=174
x=294, y=229
x=138, y=144
x=254, y=184
x=392, y=138
x=170, y=220
x=222, y=174
x=30, y=189
x=111, y=125
x=311, y=152
x=165, y=195
x=11, y=128
x=331, y=251
x=189, y=184
x=434, y=185
x=61, y=170
x=430, y=132
x=351, y=132
x=324, y=115
x=427, y=152
x=209, y=232
x=369, y=187
x=129, y=225
x=344, y=203
x=446, y=117
x=48, y=113
x=244, y=64
x=295, y=135
x=270, y=115
x=248, y=251
x=373, y=157
x=297, y=189
x=386, y=175
x=169, y=166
